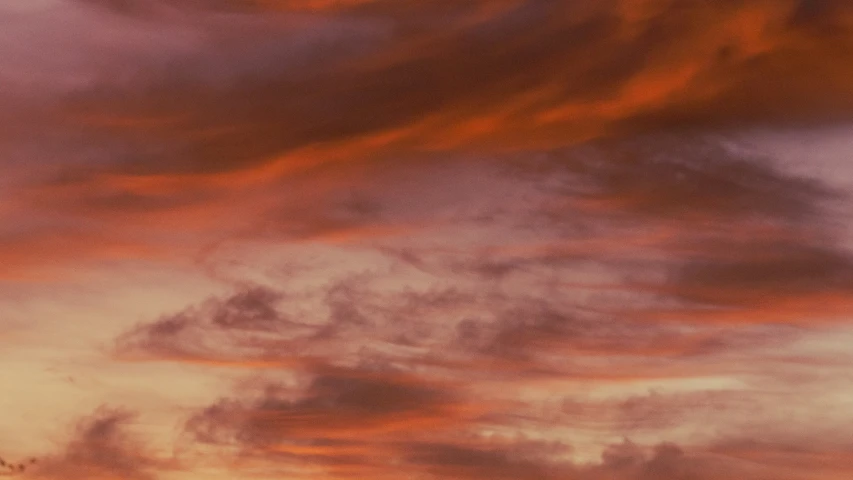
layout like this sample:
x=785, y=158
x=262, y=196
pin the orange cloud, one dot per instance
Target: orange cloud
x=580, y=71
x=541, y=212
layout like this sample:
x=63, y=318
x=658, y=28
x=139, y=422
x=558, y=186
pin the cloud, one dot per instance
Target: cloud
x=335, y=404
x=214, y=137
x=347, y=423
x=455, y=330
x=731, y=237
x=542, y=240
x=821, y=462
x=347, y=371
x=266, y=97
x=219, y=329
x=312, y=433
x=101, y=448
x=455, y=384
x=425, y=319
x=522, y=460
x=337, y=420
x=696, y=179
x=619, y=74
x=769, y=281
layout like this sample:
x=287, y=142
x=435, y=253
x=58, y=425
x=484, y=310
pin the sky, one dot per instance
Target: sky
x=426, y=239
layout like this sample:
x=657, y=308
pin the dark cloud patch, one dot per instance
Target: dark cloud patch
x=622, y=455
x=334, y=407
x=531, y=329
x=123, y=7
x=518, y=461
x=732, y=234
x=764, y=270
x=698, y=179
x=102, y=448
x=219, y=328
x=809, y=11
x=251, y=309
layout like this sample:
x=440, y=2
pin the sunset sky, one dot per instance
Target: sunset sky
x=426, y=239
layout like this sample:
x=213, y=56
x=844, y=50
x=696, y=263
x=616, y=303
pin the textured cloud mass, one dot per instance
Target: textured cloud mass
x=100, y=449
x=469, y=239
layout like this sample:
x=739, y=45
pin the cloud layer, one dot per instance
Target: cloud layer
x=450, y=239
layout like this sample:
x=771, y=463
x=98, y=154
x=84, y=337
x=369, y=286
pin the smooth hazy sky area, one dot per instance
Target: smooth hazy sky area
x=426, y=239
